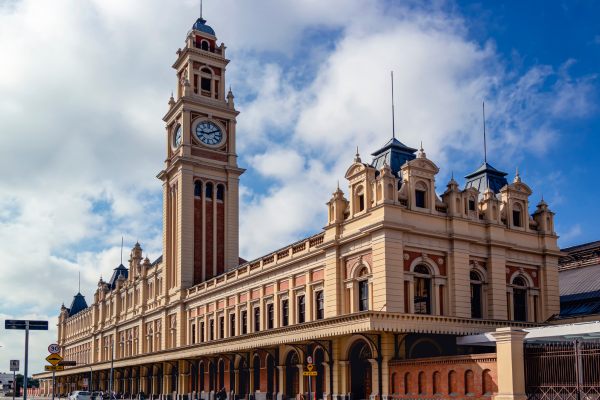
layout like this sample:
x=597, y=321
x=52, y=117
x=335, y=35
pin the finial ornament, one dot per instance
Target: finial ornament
x=517, y=177
x=357, y=158
x=421, y=153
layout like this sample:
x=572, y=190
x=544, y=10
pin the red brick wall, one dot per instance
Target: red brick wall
x=209, y=155
x=350, y=263
x=476, y=374
x=209, y=237
x=318, y=275
x=220, y=237
x=198, y=240
x=284, y=285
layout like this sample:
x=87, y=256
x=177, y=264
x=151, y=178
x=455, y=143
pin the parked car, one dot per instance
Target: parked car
x=80, y=395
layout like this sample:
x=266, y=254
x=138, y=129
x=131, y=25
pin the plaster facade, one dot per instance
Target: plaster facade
x=395, y=276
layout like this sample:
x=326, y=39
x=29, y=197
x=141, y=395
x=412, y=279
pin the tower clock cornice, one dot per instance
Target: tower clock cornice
x=201, y=105
x=202, y=56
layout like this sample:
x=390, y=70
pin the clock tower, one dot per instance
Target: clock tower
x=201, y=176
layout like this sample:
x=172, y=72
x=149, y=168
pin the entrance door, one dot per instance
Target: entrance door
x=360, y=371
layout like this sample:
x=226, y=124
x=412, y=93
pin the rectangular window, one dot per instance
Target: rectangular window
x=201, y=332
x=422, y=296
x=212, y=329
x=320, y=305
x=361, y=203
x=517, y=218
x=193, y=333
x=420, y=198
x=301, y=309
x=205, y=84
x=363, y=290
x=244, y=322
x=271, y=316
x=232, y=324
x=475, y=300
x=472, y=205
x=222, y=328
x=257, y=319
x=286, y=313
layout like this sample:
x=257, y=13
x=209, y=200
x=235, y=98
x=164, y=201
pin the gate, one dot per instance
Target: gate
x=562, y=371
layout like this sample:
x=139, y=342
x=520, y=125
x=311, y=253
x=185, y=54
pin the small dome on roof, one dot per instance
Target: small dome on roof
x=201, y=26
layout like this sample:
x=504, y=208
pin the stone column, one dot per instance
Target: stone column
x=327, y=374
x=374, y=379
x=511, y=371
x=282, y=382
x=301, y=388
x=344, y=377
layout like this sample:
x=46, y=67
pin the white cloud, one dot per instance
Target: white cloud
x=86, y=85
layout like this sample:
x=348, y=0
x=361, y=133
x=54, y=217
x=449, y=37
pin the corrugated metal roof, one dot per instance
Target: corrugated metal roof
x=579, y=283
x=581, y=247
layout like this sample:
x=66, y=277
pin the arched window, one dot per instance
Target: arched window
x=220, y=192
x=422, y=384
x=301, y=309
x=360, y=199
x=363, y=293
x=476, y=304
x=286, y=312
x=469, y=383
x=452, y=383
x=198, y=189
x=519, y=299
x=422, y=284
x=408, y=384
x=487, y=383
x=320, y=305
x=209, y=191
x=201, y=332
x=206, y=71
x=437, y=383
x=204, y=45
x=517, y=215
x=420, y=195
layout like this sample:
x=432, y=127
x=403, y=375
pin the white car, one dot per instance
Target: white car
x=80, y=395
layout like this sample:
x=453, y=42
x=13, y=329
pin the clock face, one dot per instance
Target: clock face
x=178, y=136
x=209, y=133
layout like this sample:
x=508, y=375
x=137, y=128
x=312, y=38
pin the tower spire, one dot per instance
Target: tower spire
x=393, y=125
x=484, y=141
x=121, y=250
x=79, y=291
x=200, y=9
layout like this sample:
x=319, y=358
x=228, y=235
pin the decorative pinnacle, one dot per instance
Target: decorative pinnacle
x=517, y=177
x=357, y=158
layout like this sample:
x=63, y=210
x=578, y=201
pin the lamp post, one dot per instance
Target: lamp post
x=91, y=376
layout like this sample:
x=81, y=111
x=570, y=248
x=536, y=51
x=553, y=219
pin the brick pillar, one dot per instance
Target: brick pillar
x=511, y=372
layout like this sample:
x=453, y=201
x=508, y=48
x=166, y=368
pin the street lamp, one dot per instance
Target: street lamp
x=91, y=376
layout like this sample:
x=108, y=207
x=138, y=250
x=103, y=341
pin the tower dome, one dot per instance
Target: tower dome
x=200, y=25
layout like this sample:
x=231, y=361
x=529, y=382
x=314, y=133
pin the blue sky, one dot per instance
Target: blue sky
x=87, y=83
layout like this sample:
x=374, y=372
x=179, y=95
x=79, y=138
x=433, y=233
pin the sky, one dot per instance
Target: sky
x=84, y=85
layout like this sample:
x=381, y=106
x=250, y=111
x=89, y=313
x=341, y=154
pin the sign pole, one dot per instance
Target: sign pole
x=112, y=351
x=26, y=358
x=14, y=384
x=53, y=383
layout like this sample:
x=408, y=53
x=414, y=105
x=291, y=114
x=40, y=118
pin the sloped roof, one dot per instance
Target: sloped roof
x=484, y=175
x=120, y=270
x=579, y=283
x=395, y=154
x=581, y=247
x=78, y=304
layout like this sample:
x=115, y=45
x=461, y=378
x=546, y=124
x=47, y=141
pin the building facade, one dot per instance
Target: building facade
x=378, y=298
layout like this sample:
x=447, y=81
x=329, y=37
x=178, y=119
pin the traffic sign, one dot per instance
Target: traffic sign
x=309, y=373
x=54, y=349
x=22, y=324
x=73, y=384
x=309, y=360
x=54, y=368
x=14, y=365
x=59, y=384
x=310, y=367
x=85, y=382
x=54, y=359
x=68, y=363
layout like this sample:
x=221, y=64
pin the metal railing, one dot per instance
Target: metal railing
x=562, y=371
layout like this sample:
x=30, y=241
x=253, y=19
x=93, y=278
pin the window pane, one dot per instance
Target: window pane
x=517, y=218
x=475, y=300
x=422, y=296
x=286, y=313
x=205, y=84
x=420, y=198
x=472, y=205
x=363, y=289
x=301, y=309
x=520, y=304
